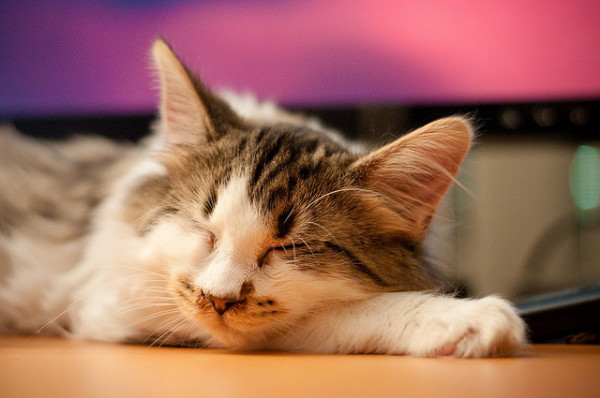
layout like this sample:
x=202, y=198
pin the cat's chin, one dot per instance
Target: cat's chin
x=241, y=332
x=236, y=338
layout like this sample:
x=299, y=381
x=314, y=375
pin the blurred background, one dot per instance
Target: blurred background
x=528, y=71
x=85, y=56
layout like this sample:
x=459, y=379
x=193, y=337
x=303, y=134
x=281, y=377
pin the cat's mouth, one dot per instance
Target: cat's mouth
x=250, y=313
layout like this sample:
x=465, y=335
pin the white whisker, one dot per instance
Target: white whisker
x=339, y=191
x=150, y=211
x=322, y=227
x=55, y=319
x=146, y=304
x=154, y=315
x=172, y=327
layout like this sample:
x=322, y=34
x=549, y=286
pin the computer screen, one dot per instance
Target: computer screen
x=89, y=57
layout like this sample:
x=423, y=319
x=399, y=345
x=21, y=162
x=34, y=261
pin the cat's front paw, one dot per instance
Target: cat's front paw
x=491, y=327
x=473, y=329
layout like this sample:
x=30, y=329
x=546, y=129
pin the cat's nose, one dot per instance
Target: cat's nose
x=221, y=305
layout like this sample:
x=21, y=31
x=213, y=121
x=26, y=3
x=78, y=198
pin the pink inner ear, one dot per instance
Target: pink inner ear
x=185, y=120
x=415, y=171
x=184, y=117
x=418, y=192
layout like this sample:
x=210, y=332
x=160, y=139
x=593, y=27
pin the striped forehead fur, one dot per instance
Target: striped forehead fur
x=274, y=159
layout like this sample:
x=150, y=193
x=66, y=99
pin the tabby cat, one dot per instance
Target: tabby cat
x=237, y=225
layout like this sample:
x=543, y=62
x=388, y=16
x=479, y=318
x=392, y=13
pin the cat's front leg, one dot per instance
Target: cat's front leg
x=417, y=324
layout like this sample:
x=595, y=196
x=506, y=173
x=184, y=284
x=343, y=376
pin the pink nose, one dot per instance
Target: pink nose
x=222, y=305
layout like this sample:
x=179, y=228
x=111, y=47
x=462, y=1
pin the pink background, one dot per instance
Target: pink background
x=85, y=56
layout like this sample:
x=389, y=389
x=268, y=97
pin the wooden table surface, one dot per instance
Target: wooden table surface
x=47, y=367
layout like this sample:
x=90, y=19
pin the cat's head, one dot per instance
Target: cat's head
x=259, y=225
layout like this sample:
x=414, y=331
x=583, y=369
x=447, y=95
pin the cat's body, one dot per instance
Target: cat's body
x=252, y=229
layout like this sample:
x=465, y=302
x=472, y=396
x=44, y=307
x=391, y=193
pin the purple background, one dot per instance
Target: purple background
x=85, y=56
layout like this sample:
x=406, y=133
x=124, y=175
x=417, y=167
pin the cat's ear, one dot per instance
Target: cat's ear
x=416, y=170
x=189, y=113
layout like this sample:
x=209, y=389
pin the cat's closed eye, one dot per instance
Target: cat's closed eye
x=287, y=249
x=211, y=241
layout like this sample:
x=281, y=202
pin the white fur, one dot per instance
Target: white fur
x=121, y=276
x=239, y=232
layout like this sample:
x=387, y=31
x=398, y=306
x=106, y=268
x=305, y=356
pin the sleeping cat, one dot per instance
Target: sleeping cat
x=237, y=225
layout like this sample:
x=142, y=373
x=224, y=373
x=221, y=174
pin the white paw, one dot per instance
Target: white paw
x=474, y=328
